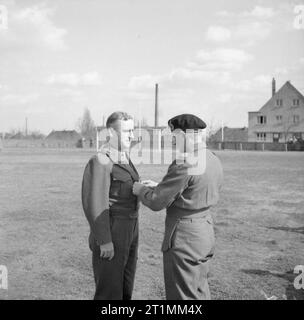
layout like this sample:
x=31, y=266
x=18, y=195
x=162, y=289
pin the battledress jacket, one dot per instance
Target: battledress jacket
x=185, y=192
x=99, y=198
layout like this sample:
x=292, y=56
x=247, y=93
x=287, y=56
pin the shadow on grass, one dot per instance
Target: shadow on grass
x=290, y=291
x=288, y=229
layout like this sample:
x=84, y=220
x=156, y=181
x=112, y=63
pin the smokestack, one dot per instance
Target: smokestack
x=273, y=87
x=156, y=106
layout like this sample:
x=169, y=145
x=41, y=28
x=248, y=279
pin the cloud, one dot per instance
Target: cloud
x=223, y=13
x=258, y=83
x=71, y=79
x=218, y=34
x=222, y=59
x=208, y=66
x=249, y=27
x=178, y=78
x=259, y=12
x=91, y=79
x=225, y=97
x=281, y=71
x=75, y=79
x=252, y=31
x=32, y=27
x=146, y=81
x=19, y=99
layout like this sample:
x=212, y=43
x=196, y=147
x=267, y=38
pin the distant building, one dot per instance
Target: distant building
x=66, y=135
x=281, y=119
x=230, y=135
x=18, y=135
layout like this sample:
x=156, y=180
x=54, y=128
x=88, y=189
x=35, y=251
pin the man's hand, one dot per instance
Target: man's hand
x=107, y=251
x=149, y=183
x=137, y=187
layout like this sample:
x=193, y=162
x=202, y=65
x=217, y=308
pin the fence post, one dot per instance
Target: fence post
x=241, y=146
x=286, y=149
x=263, y=147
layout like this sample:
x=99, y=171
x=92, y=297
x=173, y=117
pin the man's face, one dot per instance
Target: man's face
x=178, y=140
x=186, y=142
x=123, y=134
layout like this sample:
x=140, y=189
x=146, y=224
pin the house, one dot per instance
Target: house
x=66, y=135
x=230, y=134
x=281, y=119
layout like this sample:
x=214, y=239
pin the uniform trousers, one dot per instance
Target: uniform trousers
x=114, y=279
x=186, y=258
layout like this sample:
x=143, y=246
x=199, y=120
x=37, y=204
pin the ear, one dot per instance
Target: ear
x=109, y=134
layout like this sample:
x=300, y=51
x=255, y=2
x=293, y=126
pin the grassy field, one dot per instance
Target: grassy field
x=43, y=231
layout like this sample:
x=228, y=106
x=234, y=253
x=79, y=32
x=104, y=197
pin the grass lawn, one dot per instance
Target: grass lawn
x=259, y=226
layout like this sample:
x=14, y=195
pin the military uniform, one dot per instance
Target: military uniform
x=189, y=239
x=112, y=212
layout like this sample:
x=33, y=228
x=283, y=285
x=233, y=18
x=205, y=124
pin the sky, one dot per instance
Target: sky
x=214, y=59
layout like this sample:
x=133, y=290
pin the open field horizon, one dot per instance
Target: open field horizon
x=259, y=225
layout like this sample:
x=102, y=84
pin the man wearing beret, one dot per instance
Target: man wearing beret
x=112, y=211
x=187, y=192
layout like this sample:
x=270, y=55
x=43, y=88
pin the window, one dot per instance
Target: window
x=261, y=119
x=279, y=118
x=261, y=136
x=296, y=102
x=296, y=118
x=277, y=137
x=279, y=102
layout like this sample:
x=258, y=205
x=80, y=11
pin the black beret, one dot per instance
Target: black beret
x=186, y=121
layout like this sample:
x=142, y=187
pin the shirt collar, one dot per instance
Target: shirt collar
x=115, y=155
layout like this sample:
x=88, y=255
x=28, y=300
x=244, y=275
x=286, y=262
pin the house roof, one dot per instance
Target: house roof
x=231, y=134
x=18, y=135
x=286, y=87
x=64, y=135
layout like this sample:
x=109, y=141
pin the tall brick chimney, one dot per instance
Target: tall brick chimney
x=273, y=87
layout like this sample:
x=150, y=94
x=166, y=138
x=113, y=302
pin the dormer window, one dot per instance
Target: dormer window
x=296, y=102
x=279, y=102
x=261, y=119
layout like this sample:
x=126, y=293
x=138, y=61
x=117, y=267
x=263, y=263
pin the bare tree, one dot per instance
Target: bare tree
x=144, y=122
x=212, y=129
x=86, y=125
x=287, y=125
x=36, y=134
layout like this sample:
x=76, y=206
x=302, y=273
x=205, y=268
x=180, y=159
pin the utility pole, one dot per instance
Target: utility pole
x=156, y=106
x=26, y=132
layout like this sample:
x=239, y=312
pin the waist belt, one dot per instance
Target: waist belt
x=181, y=213
x=123, y=213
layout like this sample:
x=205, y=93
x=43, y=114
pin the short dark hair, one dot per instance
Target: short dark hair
x=118, y=115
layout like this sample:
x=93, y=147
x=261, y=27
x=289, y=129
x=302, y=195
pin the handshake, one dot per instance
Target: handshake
x=137, y=186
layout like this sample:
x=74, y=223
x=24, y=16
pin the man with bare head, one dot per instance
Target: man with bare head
x=112, y=211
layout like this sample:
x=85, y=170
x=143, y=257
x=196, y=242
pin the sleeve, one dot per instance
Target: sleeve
x=171, y=186
x=95, y=198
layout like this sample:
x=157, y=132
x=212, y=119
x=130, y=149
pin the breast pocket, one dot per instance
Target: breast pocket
x=121, y=187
